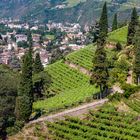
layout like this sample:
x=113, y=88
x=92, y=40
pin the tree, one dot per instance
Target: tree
x=132, y=27
x=25, y=95
x=103, y=26
x=8, y=93
x=118, y=46
x=93, y=33
x=136, y=66
x=37, y=67
x=25, y=91
x=38, y=77
x=41, y=81
x=115, y=23
x=100, y=70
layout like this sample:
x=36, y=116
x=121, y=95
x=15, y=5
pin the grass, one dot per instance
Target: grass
x=72, y=3
x=83, y=57
x=119, y=35
x=65, y=78
x=133, y=102
x=67, y=99
x=51, y=37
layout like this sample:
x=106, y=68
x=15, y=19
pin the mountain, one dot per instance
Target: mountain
x=82, y=11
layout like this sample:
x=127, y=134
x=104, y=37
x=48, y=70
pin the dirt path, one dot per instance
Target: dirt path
x=71, y=112
x=77, y=67
x=129, y=78
x=117, y=88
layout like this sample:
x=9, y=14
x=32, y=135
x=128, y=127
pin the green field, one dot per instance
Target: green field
x=72, y=3
x=51, y=37
x=83, y=57
x=105, y=124
x=65, y=78
x=69, y=86
x=119, y=35
x=67, y=98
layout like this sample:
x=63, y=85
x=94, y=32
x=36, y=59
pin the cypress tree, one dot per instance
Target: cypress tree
x=37, y=67
x=115, y=23
x=136, y=66
x=38, y=77
x=132, y=27
x=24, y=100
x=103, y=23
x=100, y=70
x=25, y=95
x=103, y=26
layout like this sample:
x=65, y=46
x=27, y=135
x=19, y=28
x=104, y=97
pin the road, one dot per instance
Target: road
x=83, y=109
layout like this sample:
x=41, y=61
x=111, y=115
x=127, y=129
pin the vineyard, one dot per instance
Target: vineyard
x=134, y=103
x=105, y=124
x=69, y=86
x=65, y=78
x=83, y=57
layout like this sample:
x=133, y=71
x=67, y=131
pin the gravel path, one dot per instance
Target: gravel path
x=130, y=77
x=71, y=112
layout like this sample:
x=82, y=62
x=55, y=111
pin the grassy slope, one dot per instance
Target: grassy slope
x=72, y=3
x=110, y=122
x=73, y=87
x=84, y=57
x=119, y=35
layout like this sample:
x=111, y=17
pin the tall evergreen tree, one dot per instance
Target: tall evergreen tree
x=132, y=27
x=115, y=23
x=38, y=77
x=37, y=67
x=136, y=65
x=25, y=95
x=103, y=26
x=25, y=91
x=100, y=70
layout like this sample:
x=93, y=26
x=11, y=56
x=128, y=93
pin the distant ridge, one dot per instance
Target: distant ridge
x=81, y=11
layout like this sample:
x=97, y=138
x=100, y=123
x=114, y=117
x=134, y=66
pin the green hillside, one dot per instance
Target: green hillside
x=105, y=124
x=119, y=35
x=83, y=58
x=118, y=119
x=70, y=86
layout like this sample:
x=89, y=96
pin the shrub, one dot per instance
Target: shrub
x=117, y=96
x=130, y=89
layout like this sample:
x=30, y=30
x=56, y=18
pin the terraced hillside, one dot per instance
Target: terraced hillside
x=105, y=124
x=69, y=86
x=134, y=102
x=118, y=119
x=83, y=58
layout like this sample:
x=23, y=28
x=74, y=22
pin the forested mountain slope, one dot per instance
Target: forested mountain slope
x=82, y=11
